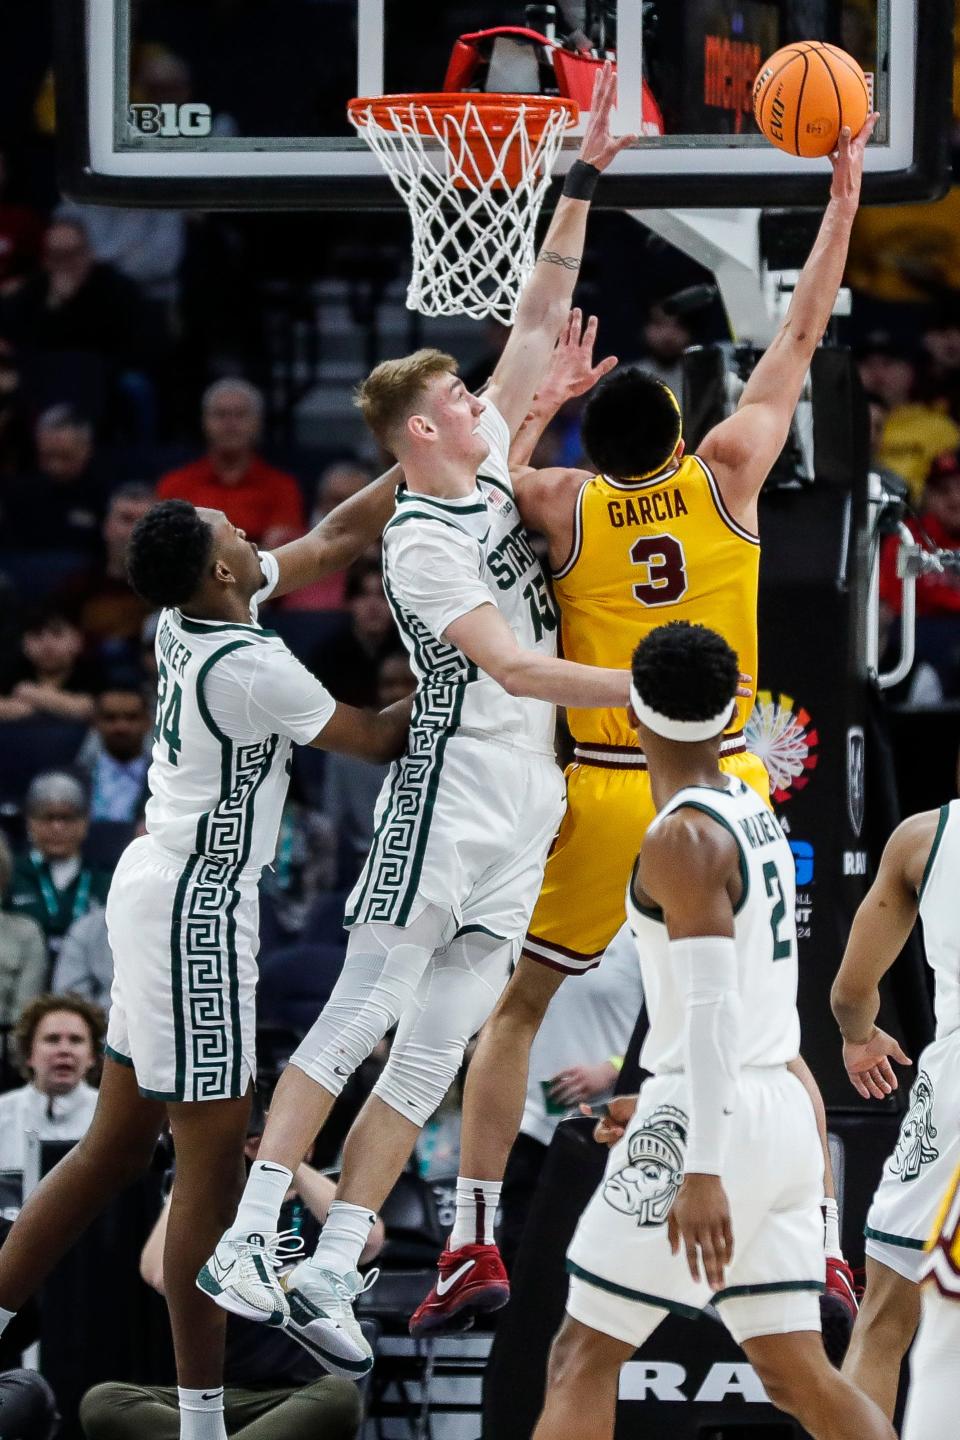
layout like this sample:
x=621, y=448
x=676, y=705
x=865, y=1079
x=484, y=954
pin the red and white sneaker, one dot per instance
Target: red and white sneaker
x=840, y=1283
x=472, y=1281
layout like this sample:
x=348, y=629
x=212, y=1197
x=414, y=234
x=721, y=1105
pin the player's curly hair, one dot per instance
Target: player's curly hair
x=684, y=671
x=44, y=1005
x=631, y=425
x=169, y=551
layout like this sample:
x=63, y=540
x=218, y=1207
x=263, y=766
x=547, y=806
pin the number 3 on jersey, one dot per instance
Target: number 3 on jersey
x=167, y=726
x=664, y=569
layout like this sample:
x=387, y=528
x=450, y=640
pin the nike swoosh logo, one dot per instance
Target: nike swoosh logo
x=446, y=1282
x=728, y=1112
x=212, y=1394
x=272, y=1169
x=339, y=1070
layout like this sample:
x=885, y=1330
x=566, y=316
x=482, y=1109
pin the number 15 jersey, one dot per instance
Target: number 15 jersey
x=646, y=553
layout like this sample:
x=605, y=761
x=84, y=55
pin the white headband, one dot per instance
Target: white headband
x=688, y=730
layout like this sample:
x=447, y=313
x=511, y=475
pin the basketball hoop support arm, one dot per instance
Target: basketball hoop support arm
x=728, y=243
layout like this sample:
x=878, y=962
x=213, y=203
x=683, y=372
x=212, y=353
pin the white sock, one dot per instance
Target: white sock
x=259, y=1211
x=201, y=1414
x=831, y=1228
x=345, y=1233
x=5, y=1317
x=477, y=1202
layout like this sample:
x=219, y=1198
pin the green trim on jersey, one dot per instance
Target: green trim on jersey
x=774, y=1287
x=429, y=801
x=176, y=976
x=715, y=815
x=479, y=930
x=111, y=1054
x=422, y=515
x=676, y=1307
x=194, y=627
x=941, y=826
x=224, y=741
x=901, y=1240
x=416, y=497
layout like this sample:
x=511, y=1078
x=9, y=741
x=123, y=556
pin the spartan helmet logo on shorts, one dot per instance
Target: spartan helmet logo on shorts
x=647, y=1184
x=915, y=1147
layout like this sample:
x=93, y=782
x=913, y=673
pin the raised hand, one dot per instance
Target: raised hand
x=847, y=161
x=572, y=371
x=598, y=146
x=868, y=1066
x=613, y=1122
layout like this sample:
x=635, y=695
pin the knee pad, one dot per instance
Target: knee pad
x=417, y=1077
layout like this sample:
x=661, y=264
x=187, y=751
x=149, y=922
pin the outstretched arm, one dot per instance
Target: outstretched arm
x=485, y=638
x=880, y=930
x=374, y=735
x=742, y=450
x=545, y=299
x=571, y=372
x=340, y=538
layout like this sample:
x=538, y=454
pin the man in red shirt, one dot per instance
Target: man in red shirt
x=940, y=520
x=232, y=477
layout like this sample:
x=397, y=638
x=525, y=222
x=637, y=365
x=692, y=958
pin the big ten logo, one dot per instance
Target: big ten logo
x=191, y=121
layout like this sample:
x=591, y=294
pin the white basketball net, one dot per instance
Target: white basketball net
x=473, y=243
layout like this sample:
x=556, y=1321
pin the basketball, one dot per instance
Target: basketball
x=806, y=93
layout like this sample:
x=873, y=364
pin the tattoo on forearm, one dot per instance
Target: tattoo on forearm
x=553, y=257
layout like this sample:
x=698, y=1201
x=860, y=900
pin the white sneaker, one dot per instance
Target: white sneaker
x=321, y=1318
x=240, y=1275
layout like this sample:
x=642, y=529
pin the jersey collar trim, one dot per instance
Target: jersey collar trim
x=647, y=484
x=469, y=505
x=210, y=627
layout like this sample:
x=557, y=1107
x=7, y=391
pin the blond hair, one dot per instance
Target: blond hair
x=391, y=393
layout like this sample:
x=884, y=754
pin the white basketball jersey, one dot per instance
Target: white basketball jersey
x=764, y=934
x=940, y=914
x=231, y=698
x=444, y=558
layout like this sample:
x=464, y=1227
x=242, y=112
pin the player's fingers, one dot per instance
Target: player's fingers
x=720, y=1258
x=858, y=1085
x=590, y=330
x=872, y=1087
x=693, y=1262
x=605, y=366
x=708, y=1256
x=899, y=1054
x=576, y=321
x=673, y=1233
x=880, y=1080
x=623, y=142
x=888, y=1074
x=728, y=1238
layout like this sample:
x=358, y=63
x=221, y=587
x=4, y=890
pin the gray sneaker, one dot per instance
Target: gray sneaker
x=241, y=1277
x=321, y=1318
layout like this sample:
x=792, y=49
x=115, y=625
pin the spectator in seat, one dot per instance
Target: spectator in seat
x=348, y=663
x=915, y=433
x=75, y=302
x=272, y=1387
x=665, y=338
x=58, y=507
x=263, y=502
x=147, y=246
x=58, y=1040
x=109, y=612
x=939, y=380
x=23, y=951
x=50, y=881
x=53, y=680
x=351, y=787
x=338, y=482
x=85, y=963
x=115, y=756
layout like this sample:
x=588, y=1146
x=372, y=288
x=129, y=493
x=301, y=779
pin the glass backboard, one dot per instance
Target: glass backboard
x=242, y=103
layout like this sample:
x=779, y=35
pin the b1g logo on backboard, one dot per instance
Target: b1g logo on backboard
x=190, y=121
x=781, y=733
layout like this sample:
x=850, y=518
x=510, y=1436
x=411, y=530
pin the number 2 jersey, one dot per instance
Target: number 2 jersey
x=764, y=934
x=646, y=553
x=444, y=558
x=231, y=700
